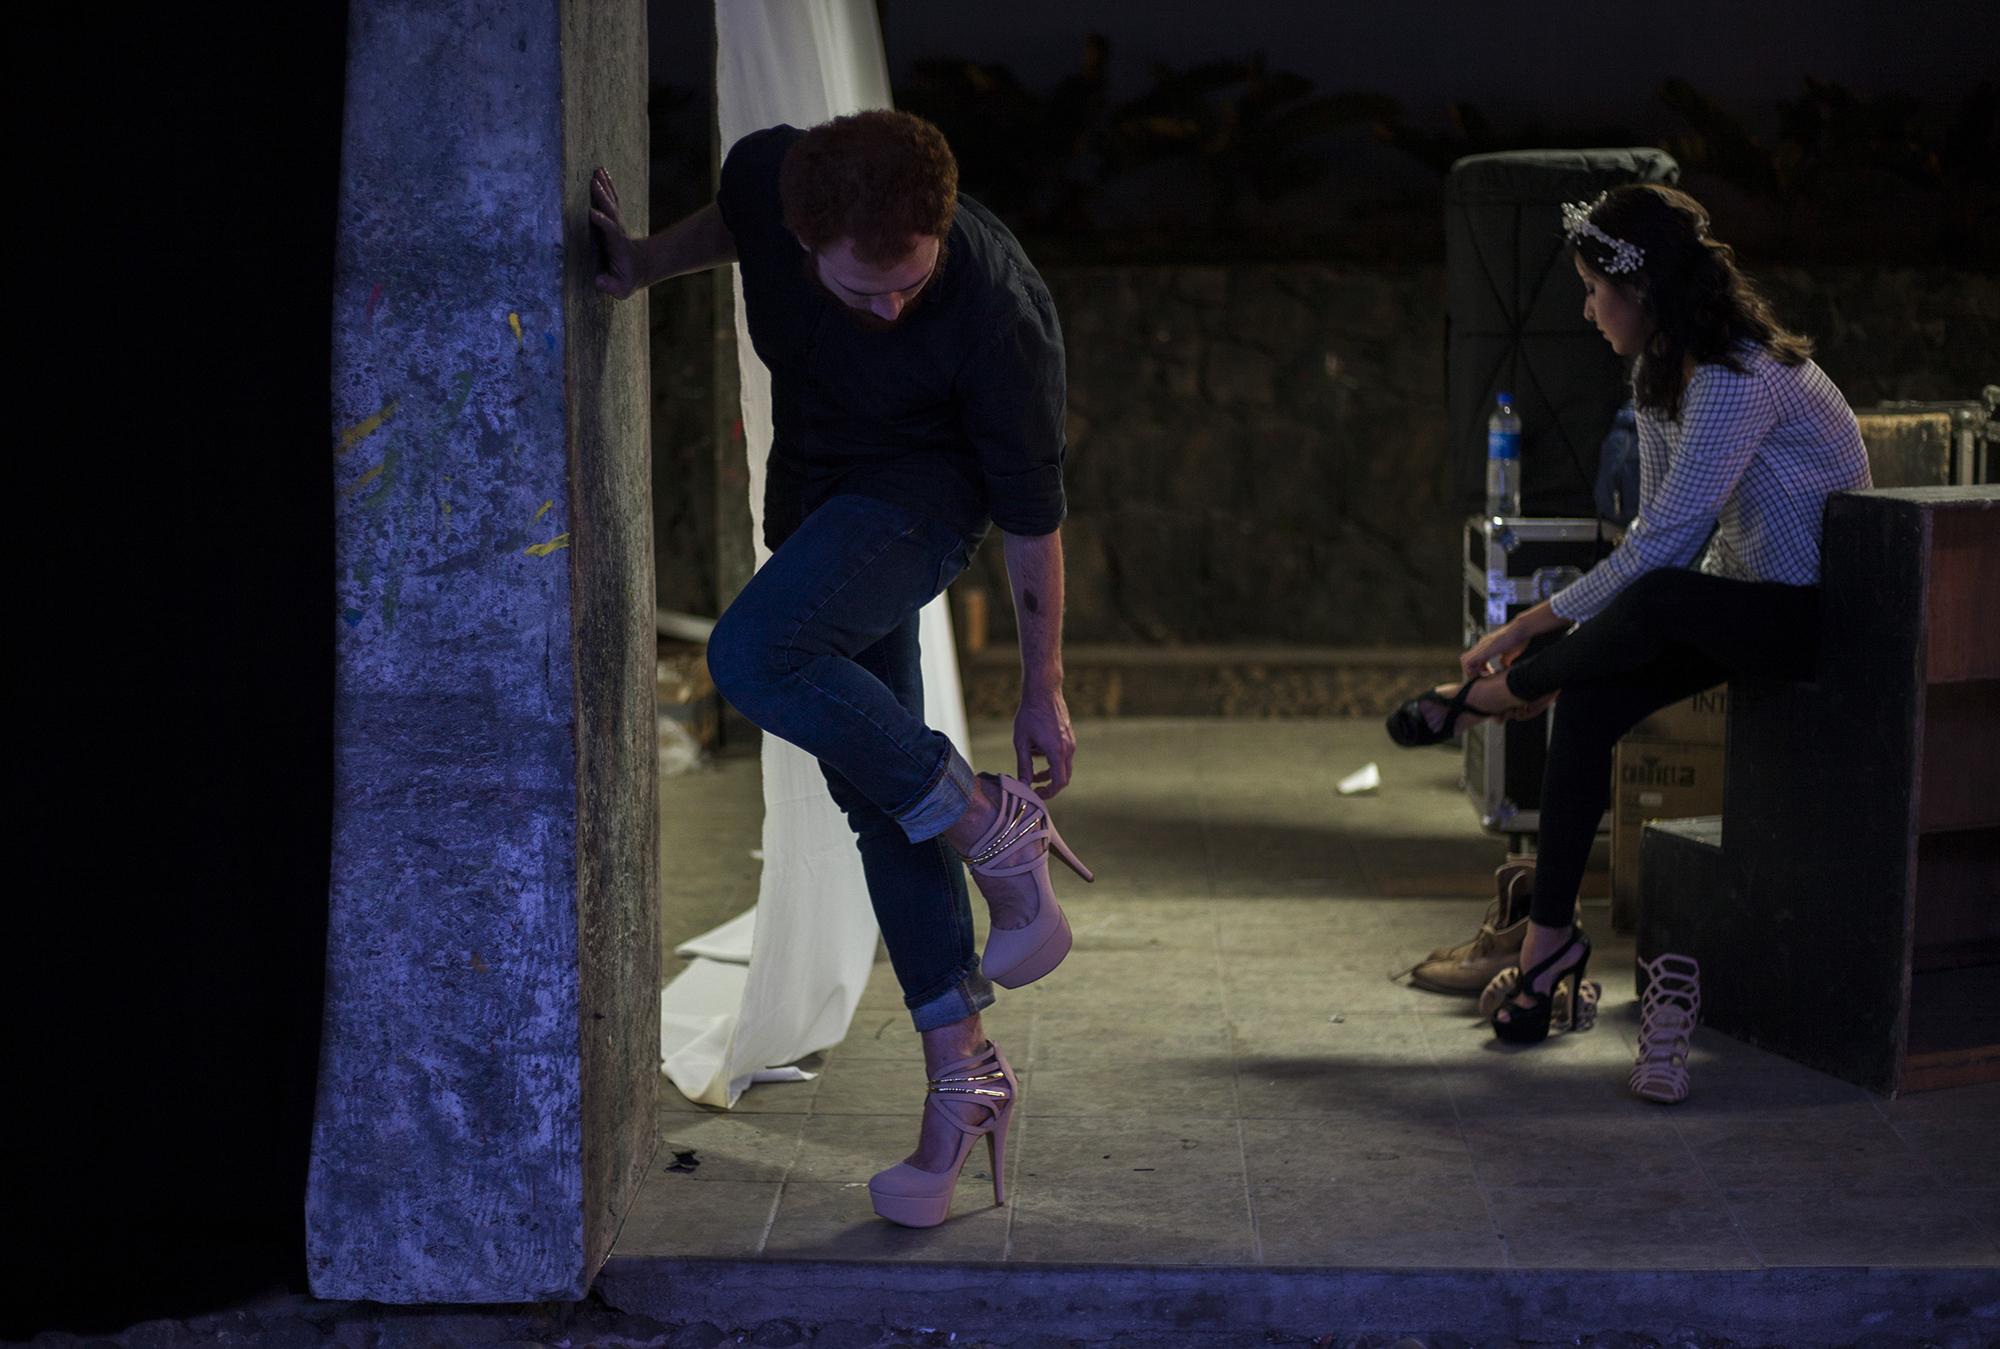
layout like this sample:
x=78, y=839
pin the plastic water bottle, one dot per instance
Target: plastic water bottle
x=1503, y=457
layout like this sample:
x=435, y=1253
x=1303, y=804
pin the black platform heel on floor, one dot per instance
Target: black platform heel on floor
x=1409, y=727
x=1530, y=1025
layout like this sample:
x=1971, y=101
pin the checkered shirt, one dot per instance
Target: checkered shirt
x=1746, y=470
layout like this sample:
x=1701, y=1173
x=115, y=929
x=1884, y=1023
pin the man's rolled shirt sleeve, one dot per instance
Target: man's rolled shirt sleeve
x=1012, y=390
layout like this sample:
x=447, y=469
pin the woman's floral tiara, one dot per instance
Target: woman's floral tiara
x=1625, y=257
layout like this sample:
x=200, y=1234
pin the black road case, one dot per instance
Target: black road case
x=1513, y=563
x=1514, y=318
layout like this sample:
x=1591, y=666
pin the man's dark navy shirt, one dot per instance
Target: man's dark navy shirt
x=956, y=412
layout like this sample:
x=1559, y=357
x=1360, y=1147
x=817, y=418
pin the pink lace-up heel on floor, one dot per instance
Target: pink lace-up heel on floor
x=1019, y=844
x=1672, y=1007
x=914, y=1198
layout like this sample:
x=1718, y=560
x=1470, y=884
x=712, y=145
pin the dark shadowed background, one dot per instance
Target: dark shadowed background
x=1238, y=208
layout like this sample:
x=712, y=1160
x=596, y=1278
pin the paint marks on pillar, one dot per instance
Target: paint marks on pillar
x=370, y=476
x=381, y=475
x=514, y=322
x=559, y=541
x=374, y=298
x=352, y=436
x=372, y=561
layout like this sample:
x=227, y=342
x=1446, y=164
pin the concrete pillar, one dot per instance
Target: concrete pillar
x=486, y=1097
x=735, y=548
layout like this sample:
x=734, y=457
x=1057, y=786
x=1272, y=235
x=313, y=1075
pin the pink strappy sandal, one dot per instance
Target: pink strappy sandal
x=903, y=1194
x=1018, y=844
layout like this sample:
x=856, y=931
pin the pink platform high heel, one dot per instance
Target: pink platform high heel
x=1018, y=844
x=903, y=1194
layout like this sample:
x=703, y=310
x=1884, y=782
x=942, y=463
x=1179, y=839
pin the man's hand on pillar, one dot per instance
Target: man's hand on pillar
x=618, y=272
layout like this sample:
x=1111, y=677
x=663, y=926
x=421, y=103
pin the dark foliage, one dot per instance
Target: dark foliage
x=1846, y=177
x=1045, y=162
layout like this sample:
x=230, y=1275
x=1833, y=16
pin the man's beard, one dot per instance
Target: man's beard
x=867, y=319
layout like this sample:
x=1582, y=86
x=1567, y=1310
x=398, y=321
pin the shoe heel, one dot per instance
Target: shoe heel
x=996, y=1156
x=1582, y=1012
x=1581, y=1017
x=1061, y=849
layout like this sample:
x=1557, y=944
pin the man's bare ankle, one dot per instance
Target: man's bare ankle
x=948, y=1044
x=970, y=827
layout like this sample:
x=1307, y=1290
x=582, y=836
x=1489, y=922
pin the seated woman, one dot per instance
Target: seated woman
x=1741, y=440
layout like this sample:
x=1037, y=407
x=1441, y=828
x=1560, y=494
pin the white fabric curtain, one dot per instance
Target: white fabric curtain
x=725, y=1023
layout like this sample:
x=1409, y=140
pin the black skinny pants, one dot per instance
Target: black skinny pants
x=1667, y=636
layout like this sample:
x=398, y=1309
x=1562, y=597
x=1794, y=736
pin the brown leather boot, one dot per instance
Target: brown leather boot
x=1502, y=911
x=1469, y=966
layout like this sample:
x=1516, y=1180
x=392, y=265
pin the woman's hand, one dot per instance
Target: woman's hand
x=1496, y=650
x=1501, y=647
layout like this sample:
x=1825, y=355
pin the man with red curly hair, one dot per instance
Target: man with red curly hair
x=917, y=395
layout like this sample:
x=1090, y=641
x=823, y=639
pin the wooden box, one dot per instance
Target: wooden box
x=1847, y=911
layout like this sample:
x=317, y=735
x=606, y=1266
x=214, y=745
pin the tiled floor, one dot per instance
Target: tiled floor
x=1223, y=1072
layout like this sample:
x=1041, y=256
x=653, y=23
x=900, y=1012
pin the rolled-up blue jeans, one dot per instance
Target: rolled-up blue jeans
x=820, y=649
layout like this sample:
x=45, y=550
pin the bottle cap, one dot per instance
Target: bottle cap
x=1502, y=396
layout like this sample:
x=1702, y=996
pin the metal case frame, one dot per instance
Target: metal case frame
x=1512, y=563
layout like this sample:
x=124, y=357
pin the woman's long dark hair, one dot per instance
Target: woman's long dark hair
x=1700, y=303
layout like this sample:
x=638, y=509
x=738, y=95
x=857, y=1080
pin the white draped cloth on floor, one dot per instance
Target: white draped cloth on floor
x=725, y=1022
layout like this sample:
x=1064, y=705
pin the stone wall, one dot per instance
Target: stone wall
x=1255, y=455
x=1257, y=451
x=1894, y=333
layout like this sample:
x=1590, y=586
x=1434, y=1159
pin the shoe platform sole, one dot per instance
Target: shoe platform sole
x=911, y=1210
x=1039, y=961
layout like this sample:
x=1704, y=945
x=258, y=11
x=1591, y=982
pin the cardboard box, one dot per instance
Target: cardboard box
x=1654, y=781
x=1699, y=720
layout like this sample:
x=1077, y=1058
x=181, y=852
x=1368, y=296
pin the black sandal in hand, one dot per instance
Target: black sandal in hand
x=1410, y=728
